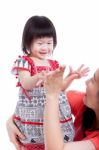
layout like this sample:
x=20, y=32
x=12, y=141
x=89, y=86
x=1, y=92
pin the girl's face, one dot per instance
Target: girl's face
x=92, y=92
x=42, y=47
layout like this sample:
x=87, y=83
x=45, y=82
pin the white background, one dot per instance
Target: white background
x=77, y=25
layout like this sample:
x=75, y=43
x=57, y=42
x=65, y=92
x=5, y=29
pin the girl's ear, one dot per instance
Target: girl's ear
x=28, y=51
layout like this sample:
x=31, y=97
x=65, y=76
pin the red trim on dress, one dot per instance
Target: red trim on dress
x=34, y=69
x=31, y=62
x=21, y=68
x=33, y=146
x=63, y=121
x=37, y=123
x=25, y=92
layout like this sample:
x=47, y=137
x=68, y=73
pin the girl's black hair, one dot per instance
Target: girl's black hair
x=37, y=27
x=89, y=120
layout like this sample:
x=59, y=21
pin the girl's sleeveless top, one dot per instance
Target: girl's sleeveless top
x=29, y=110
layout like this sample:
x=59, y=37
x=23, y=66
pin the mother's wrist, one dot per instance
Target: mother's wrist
x=52, y=95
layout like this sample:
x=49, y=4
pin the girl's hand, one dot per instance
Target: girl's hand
x=80, y=72
x=77, y=74
x=14, y=133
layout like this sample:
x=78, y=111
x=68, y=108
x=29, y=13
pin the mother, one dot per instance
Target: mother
x=85, y=108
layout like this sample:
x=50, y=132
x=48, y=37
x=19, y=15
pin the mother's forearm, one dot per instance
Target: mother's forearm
x=53, y=135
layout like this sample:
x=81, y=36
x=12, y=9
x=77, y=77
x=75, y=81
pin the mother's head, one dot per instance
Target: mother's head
x=91, y=114
x=92, y=92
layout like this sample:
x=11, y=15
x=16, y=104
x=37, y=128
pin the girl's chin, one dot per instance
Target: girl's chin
x=42, y=57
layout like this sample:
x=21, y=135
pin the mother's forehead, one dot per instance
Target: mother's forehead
x=97, y=70
x=97, y=74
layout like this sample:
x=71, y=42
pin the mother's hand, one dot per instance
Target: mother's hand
x=54, y=81
x=14, y=133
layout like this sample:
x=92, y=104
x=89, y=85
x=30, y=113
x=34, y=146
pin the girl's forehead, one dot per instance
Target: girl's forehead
x=45, y=38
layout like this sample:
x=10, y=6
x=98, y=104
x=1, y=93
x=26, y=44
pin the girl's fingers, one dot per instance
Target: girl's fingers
x=70, y=69
x=80, y=67
x=86, y=70
x=83, y=69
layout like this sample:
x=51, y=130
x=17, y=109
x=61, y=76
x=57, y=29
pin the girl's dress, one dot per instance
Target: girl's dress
x=29, y=110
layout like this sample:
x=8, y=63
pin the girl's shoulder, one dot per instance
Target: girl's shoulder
x=28, y=59
x=22, y=63
x=23, y=59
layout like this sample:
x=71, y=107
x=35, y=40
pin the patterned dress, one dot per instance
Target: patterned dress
x=29, y=110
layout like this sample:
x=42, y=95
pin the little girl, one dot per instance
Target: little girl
x=38, y=41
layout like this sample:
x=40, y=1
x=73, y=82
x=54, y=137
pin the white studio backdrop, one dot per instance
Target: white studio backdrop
x=77, y=25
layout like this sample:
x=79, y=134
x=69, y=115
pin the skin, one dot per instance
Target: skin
x=39, y=50
x=41, y=47
x=13, y=132
x=53, y=135
x=92, y=94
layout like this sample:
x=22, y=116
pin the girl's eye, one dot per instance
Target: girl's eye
x=39, y=43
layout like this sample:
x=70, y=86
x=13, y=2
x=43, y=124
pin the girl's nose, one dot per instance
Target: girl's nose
x=44, y=47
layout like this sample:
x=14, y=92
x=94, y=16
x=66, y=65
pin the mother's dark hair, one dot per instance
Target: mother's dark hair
x=89, y=119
